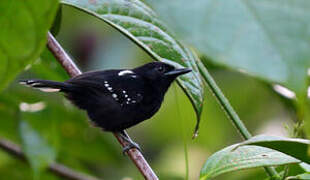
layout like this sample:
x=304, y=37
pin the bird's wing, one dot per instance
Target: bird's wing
x=129, y=89
x=90, y=79
x=88, y=90
x=131, y=93
x=125, y=89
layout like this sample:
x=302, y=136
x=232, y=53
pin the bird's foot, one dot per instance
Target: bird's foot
x=130, y=144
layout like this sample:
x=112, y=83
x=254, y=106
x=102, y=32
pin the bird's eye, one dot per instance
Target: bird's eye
x=160, y=69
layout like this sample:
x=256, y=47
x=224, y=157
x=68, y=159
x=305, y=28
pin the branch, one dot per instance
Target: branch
x=56, y=168
x=66, y=62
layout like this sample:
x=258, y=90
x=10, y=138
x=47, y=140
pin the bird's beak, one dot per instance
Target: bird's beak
x=177, y=72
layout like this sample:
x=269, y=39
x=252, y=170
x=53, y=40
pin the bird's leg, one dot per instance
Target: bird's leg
x=131, y=144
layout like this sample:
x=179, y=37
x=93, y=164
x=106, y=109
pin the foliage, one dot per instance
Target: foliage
x=39, y=153
x=225, y=32
x=267, y=39
x=23, y=34
x=140, y=24
x=294, y=147
x=235, y=158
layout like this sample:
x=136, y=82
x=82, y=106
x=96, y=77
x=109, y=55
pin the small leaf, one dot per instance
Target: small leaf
x=24, y=25
x=38, y=152
x=294, y=147
x=141, y=25
x=244, y=157
x=305, y=176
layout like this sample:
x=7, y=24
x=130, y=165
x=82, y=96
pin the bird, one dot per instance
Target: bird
x=116, y=99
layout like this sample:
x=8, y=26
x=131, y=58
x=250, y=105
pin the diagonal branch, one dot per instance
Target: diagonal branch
x=56, y=168
x=63, y=58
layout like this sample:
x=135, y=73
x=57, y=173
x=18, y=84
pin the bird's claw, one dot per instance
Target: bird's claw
x=129, y=146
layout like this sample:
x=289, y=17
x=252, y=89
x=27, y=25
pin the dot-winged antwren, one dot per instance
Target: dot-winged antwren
x=117, y=99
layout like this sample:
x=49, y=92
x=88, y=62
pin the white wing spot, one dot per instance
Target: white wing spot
x=122, y=73
x=49, y=89
x=124, y=91
x=114, y=95
x=106, y=85
x=34, y=84
x=128, y=99
x=106, y=82
x=126, y=95
x=109, y=88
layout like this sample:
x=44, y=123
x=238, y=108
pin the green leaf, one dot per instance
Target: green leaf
x=141, y=25
x=24, y=25
x=57, y=22
x=305, y=176
x=268, y=39
x=38, y=152
x=48, y=68
x=294, y=147
x=305, y=167
x=231, y=159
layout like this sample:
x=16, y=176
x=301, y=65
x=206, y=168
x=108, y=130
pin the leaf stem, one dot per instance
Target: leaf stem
x=135, y=155
x=233, y=116
x=183, y=134
x=231, y=113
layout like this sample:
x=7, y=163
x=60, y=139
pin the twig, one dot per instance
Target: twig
x=66, y=62
x=229, y=110
x=56, y=168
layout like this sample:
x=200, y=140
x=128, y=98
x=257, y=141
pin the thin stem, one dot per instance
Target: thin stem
x=63, y=58
x=177, y=104
x=231, y=113
x=233, y=116
x=56, y=168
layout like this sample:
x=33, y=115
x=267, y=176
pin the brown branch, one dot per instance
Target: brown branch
x=56, y=168
x=63, y=58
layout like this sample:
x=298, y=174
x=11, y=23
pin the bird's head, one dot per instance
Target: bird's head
x=160, y=74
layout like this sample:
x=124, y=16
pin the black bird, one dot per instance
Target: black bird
x=117, y=99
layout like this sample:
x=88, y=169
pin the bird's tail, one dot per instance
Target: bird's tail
x=46, y=85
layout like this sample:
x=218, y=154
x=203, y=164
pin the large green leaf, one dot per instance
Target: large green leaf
x=305, y=167
x=231, y=159
x=305, y=176
x=39, y=153
x=57, y=22
x=294, y=147
x=268, y=39
x=24, y=25
x=140, y=24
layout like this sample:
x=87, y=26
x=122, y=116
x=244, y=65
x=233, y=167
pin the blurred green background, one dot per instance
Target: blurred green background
x=164, y=139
